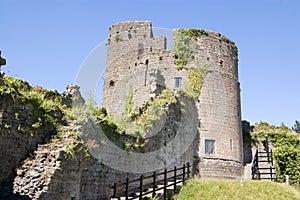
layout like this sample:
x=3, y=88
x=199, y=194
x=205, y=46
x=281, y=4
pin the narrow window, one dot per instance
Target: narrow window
x=178, y=82
x=209, y=146
x=231, y=144
x=129, y=36
x=160, y=58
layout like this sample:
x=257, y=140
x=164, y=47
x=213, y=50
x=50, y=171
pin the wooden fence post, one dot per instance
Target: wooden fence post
x=115, y=190
x=141, y=187
x=126, y=188
x=188, y=170
x=165, y=184
x=271, y=173
x=175, y=178
x=183, y=174
x=154, y=184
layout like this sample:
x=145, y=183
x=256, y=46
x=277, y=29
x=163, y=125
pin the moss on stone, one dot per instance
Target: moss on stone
x=195, y=81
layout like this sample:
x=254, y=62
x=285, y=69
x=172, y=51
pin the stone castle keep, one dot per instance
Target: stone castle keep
x=195, y=86
x=137, y=59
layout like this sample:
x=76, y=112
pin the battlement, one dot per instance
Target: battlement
x=133, y=28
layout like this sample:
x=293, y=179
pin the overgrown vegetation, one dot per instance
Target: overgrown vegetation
x=140, y=118
x=232, y=189
x=46, y=105
x=296, y=126
x=129, y=101
x=195, y=81
x=184, y=45
x=287, y=152
x=193, y=33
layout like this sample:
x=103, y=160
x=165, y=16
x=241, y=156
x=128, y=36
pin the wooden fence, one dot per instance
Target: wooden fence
x=152, y=185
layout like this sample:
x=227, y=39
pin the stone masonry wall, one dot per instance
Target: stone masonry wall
x=147, y=70
x=219, y=105
x=16, y=140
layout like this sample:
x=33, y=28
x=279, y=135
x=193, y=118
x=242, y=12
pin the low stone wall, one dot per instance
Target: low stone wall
x=218, y=168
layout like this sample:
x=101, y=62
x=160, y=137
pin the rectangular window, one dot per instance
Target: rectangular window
x=178, y=82
x=209, y=146
x=231, y=144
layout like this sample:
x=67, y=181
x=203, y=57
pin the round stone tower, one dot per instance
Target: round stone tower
x=220, y=146
x=129, y=45
x=139, y=63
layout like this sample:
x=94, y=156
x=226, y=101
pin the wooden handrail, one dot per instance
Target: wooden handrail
x=176, y=178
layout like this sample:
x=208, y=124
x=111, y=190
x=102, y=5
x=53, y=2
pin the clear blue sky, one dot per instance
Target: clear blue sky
x=46, y=42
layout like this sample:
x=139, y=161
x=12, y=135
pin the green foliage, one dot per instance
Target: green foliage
x=46, y=103
x=182, y=50
x=193, y=32
x=287, y=152
x=13, y=86
x=184, y=44
x=129, y=101
x=196, y=77
x=7, y=126
x=144, y=116
x=232, y=189
x=296, y=126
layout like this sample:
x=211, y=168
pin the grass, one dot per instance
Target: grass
x=232, y=189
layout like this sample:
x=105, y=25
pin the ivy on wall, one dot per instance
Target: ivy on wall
x=184, y=45
x=196, y=77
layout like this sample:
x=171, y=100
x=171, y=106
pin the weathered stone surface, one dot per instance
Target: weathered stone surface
x=137, y=59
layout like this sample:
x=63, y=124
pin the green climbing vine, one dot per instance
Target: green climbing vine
x=184, y=45
x=129, y=101
x=196, y=77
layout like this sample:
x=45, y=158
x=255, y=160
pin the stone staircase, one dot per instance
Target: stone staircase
x=262, y=165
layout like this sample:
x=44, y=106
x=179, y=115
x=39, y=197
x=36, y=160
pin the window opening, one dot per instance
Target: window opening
x=178, y=82
x=209, y=146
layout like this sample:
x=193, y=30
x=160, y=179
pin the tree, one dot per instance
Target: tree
x=296, y=126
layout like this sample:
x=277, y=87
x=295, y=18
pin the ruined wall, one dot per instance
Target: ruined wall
x=17, y=138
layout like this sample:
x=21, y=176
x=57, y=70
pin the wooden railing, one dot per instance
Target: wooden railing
x=258, y=171
x=152, y=184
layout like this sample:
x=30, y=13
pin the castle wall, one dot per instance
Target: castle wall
x=17, y=138
x=148, y=70
x=126, y=63
x=219, y=105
